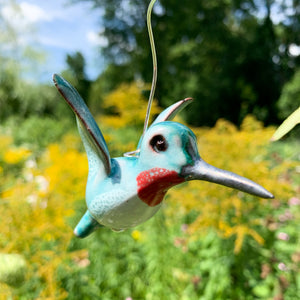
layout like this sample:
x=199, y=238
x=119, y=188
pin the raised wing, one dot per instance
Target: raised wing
x=170, y=112
x=166, y=115
x=91, y=135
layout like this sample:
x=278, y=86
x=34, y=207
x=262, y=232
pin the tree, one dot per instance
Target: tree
x=228, y=55
x=15, y=59
x=76, y=74
x=290, y=98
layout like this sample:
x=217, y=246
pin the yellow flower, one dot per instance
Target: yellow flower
x=5, y=142
x=16, y=155
x=136, y=235
x=128, y=106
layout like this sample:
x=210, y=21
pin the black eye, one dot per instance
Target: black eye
x=159, y=143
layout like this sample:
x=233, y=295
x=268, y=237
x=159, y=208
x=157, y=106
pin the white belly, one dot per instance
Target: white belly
x=128, y=214
x=119, y=215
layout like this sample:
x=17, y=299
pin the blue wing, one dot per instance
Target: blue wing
x=170, y=112
x=93, y=140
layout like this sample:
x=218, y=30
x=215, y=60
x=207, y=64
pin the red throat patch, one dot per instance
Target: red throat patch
x=154, y=183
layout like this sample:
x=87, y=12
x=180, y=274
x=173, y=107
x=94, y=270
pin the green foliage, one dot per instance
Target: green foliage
x=230, y=57
x=288, y=106
x=9, y=101
x=22, y=99
x=107, y=82
x=76, y=74
x=37, y=132
x=290, y=98
x=18, y=61
x=121, y=111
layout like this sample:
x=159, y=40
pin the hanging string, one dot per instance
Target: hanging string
x=154, y=77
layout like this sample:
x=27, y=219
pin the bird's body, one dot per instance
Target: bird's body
x=114, y=202
x=134, y=190
x=124, y=192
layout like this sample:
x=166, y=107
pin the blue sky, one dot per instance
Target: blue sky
x=58, y=29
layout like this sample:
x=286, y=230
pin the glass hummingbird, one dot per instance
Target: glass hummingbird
x=124, y=192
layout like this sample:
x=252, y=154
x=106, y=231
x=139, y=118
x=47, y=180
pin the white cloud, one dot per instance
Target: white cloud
x=96, y=39
x=24, y=14
x=33, y=13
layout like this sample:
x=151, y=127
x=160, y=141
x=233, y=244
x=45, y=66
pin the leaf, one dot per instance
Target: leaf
x=288, y=124
x=262, y=291
x=12, y=269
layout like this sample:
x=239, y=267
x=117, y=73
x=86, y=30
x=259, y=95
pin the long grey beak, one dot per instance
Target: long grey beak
x=203, y=171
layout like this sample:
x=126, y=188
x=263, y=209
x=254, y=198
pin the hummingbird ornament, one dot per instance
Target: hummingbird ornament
x=124, y=192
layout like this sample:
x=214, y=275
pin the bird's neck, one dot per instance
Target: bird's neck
x=154, y=183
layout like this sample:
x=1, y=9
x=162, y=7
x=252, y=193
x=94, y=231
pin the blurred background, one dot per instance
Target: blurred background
x=239, y=60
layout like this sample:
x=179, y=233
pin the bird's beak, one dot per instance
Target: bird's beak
x=203, y=171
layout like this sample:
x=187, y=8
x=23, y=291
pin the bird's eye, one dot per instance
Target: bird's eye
x=158, y=143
